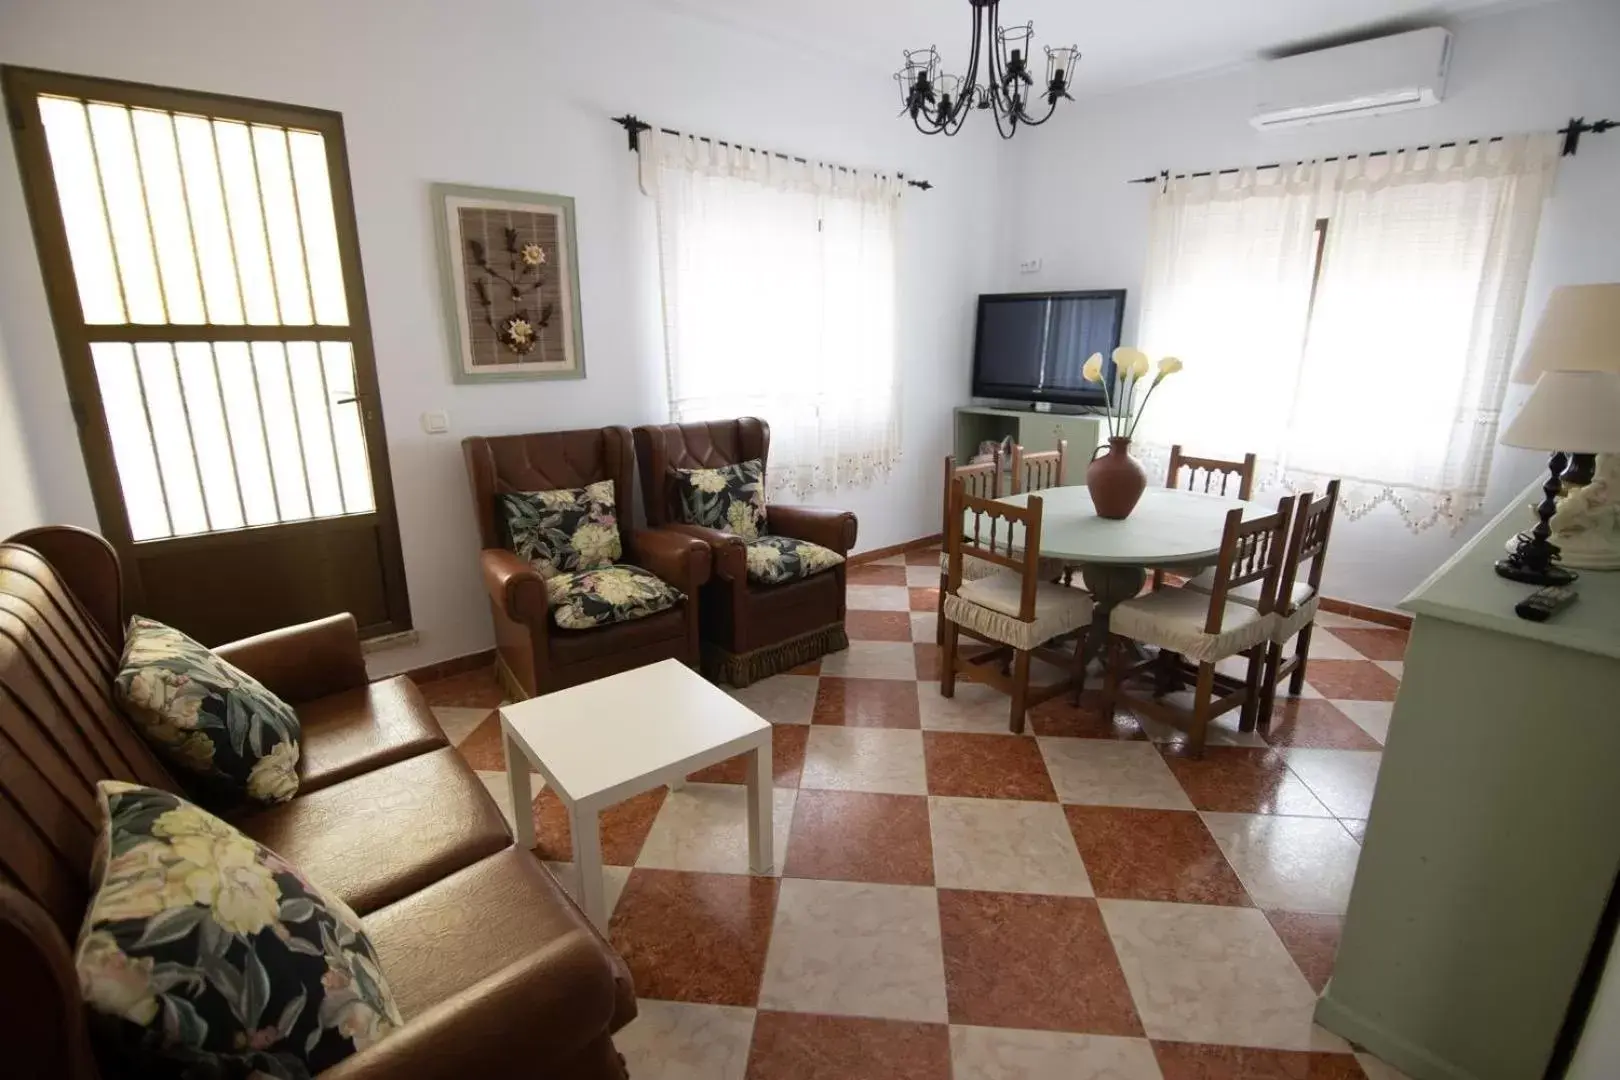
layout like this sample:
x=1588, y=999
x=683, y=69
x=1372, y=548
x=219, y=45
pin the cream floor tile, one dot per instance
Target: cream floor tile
x=614, y=879
x=1222, y=732
x=878, y=598
x=1210, y=975
x=704, y=827
x=1342, y=779
x=1290, y=863
x=890, y=560
x=675, y=1040
x=1378, y=1070
x=495, y=784
x=922, y=577
x=1005, y=846
x=855, y=949
x=1394, y=667
x=1324, y=646
x=983, y=1053
x=1371, y=716
x=781, y=699
x=924, y=625
x=872, y=660
x=458, y=723
x=1333, y=618
x=1103, y=772
x=865, y=759
x=976, y=707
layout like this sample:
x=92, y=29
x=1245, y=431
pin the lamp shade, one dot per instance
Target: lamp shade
x=1579, y=331
x=1574, y=411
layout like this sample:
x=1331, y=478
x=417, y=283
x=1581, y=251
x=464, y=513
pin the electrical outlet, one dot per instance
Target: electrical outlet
x=1029, y=266
x=435, y=423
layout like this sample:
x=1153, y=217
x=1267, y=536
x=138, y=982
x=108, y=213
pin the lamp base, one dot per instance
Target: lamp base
x=1514, y=570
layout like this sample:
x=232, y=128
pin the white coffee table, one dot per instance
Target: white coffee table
x=604, y=741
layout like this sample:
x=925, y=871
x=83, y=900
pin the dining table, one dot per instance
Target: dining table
x=1170, y=529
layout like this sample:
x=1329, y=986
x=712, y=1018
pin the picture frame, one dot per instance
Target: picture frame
x=509, y=269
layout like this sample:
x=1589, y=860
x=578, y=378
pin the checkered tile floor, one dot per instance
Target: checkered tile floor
x=951, y=900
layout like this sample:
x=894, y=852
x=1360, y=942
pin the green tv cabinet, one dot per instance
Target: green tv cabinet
x=1034, y=431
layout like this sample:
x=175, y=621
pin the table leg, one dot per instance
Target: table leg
x=585, y=826
x=518, y=784
x=1109, y=585
x=760, y=837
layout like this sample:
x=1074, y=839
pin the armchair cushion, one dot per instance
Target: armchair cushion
x=565, y=530
x=210, y=720
x=612, y=594
x=730, y=498
x=775, y=559
x=206, y=951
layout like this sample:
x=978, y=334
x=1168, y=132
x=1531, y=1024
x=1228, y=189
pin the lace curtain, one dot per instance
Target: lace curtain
x=1385, y=367
x=778, y=298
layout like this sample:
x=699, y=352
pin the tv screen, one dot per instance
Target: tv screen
x=1031, y=346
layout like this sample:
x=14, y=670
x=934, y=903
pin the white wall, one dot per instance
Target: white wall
x=1521, y=70
x=19, y=504
x=515, y=94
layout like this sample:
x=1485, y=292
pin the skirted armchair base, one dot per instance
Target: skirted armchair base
x=742, y=669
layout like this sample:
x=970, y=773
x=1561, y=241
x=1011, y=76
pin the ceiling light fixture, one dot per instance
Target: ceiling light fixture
x=939, y=103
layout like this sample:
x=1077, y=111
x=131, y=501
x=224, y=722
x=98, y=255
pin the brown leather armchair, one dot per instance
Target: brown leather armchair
x=534, y=655
x=749, y=631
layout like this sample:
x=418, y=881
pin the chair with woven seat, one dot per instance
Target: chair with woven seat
x=1013, y=610
x=1227, y=472
x=981, y=479
x=1206, y=628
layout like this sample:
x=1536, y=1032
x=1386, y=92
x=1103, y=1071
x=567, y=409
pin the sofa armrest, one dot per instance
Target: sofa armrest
x=304, y=662
x=683, y=561
x=834, y=529
x=541, y=1009
x=728, y=551
x=515, y=587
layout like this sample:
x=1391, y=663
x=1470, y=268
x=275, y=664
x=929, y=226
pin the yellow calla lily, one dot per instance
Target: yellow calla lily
x=1093, y=369
x=1169, y=366
x=1131, y=362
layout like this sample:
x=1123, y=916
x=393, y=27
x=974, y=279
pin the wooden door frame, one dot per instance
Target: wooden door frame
x=22, y=87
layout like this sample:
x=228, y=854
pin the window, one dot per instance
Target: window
x=778, y=295
x=1350, y=319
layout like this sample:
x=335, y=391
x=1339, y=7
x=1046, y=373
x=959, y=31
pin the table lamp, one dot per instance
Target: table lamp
x=1579, y=330
x=1566, y=408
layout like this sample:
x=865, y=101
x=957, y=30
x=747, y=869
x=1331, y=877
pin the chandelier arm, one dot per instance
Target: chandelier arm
x=1032, y=122
x=1000, y=102
x=964, y=99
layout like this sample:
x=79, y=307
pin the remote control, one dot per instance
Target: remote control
x=1543, y=604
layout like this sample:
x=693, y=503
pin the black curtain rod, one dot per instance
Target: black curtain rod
x=634, y=126
x=1572, y=140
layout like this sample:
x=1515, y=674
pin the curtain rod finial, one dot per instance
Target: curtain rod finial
x=633, y=127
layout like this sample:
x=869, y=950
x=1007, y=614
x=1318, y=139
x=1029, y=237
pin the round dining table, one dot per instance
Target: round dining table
x=1169, y=529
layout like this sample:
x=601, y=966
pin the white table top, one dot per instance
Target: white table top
x=1168, y=527
x=602, y=735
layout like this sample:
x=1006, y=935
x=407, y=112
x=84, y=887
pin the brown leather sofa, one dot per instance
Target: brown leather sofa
x=495, y=969
x=749, y=631
x=534, y=655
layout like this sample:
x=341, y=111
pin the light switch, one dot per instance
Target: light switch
x=435, y=423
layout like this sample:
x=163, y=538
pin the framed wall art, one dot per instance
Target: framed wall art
x=510, y=262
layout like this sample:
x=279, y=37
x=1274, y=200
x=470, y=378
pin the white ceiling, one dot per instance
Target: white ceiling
x=1122, y=42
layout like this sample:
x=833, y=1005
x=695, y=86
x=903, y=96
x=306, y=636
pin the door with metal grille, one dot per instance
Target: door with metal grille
x=203, y=271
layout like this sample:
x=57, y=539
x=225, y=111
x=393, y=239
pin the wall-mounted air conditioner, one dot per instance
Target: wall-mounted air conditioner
x=1369, y=78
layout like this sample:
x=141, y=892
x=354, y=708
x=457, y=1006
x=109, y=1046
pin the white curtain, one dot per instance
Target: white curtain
x=778, y=296
x=1391, y=374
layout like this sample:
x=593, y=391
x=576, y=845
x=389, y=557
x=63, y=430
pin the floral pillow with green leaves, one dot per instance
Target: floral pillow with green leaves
x=558, y=532
x=775, y=559
x=730, y=498
x=226, y=735
x=203, y=953
x=612, y=594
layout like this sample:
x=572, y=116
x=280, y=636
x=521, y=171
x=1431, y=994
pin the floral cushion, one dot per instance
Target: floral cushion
x=204, y=954
x=775, y=559
x=612, y=594
x=730, y=498
x=565, y=530
x=210, y=720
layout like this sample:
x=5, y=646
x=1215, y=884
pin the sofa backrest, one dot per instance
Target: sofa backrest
x=662, y=448
x=60, y=732
x=547, y=461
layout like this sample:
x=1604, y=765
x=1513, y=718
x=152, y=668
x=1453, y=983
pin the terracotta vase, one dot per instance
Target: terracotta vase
x=1116, y=481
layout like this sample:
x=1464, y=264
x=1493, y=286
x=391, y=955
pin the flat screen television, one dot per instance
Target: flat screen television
x=1031, y=346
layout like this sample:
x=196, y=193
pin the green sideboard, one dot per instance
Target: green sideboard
x=1034, y=431
x=1494, y=835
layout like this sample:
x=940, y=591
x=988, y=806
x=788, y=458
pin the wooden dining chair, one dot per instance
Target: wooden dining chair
x=1013, y=610
x=1227, y=472
x=1040, y=470
x=981, y=479
x=1206, y=628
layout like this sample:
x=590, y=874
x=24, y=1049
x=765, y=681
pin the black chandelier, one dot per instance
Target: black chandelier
x=939, y=103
